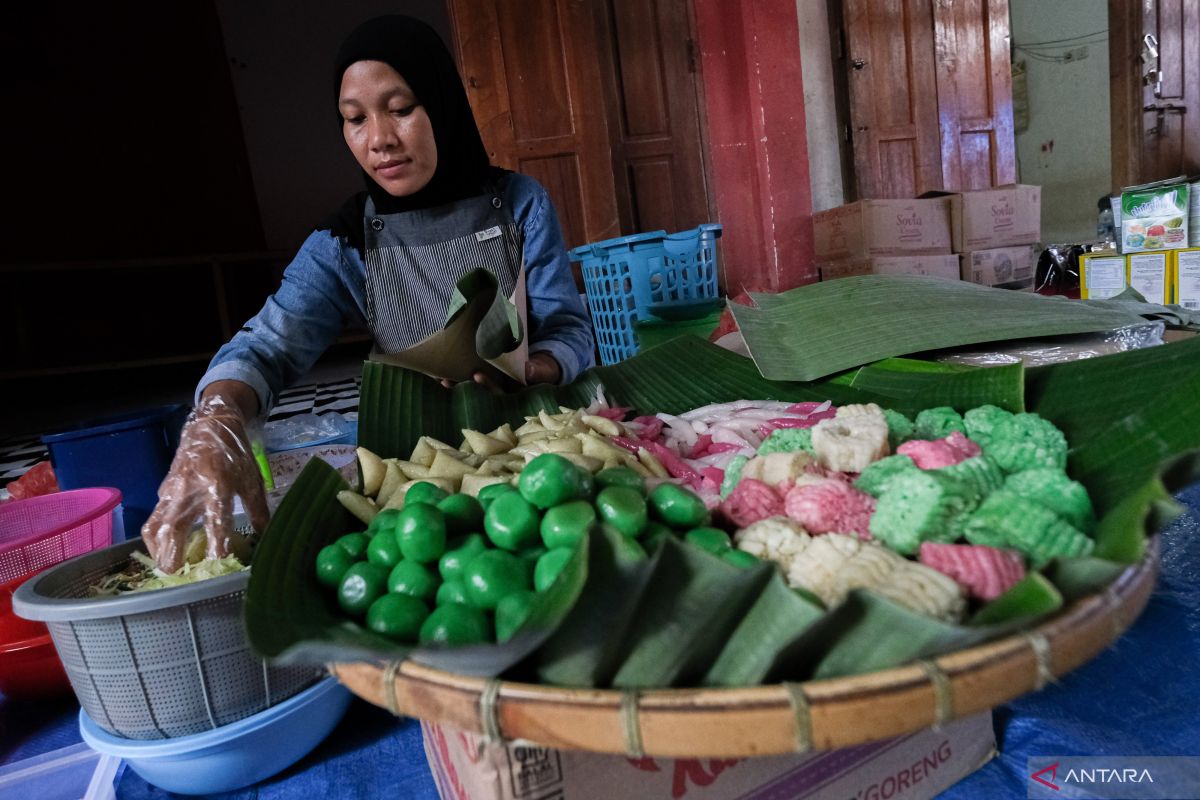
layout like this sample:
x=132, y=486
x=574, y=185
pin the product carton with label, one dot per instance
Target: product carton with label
x=1001, y=266
x=1150, y=275
x=940, y=266
x=919, y=765
x=1000, y=217
x=1101, y=275
x=1186, y=278
x=1154, y=218
x=870, y=228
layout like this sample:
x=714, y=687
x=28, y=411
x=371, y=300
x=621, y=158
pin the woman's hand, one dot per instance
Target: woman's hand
x=214, y=462
x=540, y=368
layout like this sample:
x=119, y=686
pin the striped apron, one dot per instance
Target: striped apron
x=414, y=259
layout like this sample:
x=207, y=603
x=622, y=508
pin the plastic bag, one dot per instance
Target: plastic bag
x=1035, y=353
x=306, y=429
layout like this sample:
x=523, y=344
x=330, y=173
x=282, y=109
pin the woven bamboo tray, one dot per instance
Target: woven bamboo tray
x=767, y=720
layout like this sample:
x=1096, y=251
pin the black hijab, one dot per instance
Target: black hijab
x=415, y=50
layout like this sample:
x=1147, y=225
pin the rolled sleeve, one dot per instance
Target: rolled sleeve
x=558, y=323
x=295, y=326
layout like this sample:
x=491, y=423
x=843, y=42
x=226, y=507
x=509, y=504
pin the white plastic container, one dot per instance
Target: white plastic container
x=71, y=773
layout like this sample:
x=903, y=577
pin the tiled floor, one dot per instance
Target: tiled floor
x=330, y=386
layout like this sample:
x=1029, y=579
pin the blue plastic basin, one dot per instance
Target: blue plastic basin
x=234, y=755
x=131, y=452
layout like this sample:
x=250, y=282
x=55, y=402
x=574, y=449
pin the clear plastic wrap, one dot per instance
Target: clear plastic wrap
x=1057, y=349
x=213, y=463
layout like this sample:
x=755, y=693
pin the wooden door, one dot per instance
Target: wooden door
x=1155, y=132
x=930, y=95
x=653, y=106
x=532, y=70
x=893, y=111
x=974, y=93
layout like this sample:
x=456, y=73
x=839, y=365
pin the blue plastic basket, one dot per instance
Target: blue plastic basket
x=627, y=276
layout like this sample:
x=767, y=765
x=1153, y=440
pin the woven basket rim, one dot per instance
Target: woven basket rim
x=944, y=687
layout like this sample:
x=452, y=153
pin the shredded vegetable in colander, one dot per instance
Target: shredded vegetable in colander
x=139, y=574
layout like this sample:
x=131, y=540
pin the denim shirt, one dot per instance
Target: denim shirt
x=324, y=290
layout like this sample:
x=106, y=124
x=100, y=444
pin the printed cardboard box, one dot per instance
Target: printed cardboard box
x=916, y=766
x=1101, y=275
x=1001, y=265
x=1150, y=274
x=1000, y=217
x=1186, y=279
x=870, y=228
x=940, y=266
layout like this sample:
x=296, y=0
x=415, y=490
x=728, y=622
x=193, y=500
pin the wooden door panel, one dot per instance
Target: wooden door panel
x=893, y=112
x=531, y=72
x=930, y=95
x=640, y=70
x=534, y=55
x=1170, y=141
x=974, y=89
x=653, y=103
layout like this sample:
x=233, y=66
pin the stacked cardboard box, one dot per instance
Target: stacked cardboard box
x=987, y=237
x=886, y=237
x=995, y=232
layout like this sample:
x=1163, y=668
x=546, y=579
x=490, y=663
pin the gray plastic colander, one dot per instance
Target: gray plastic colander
x=158, y=664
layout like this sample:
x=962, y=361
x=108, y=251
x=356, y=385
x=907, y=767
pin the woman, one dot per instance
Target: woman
x=433, y=209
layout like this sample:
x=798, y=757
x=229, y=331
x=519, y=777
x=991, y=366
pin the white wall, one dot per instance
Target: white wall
x=281, y=59
x=1069, y=107
x=823, y=131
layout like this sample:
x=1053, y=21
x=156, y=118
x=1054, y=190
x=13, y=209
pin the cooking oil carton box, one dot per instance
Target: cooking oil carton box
x=1101, y=275
x=940, y=266
x=871, y=228
x=1001, y=266
x=1150, y=275
x=1186, y=278
x=920, y=765
x=999, y=217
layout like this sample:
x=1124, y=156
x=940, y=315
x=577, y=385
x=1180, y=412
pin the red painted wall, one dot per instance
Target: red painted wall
x=750, y=63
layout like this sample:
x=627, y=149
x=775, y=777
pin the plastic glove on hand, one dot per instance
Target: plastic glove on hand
x=213, y=463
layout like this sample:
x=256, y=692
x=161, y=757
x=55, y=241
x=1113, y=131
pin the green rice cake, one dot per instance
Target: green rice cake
x=981, y=423
x=874, y=479
x=1054, y=489
x=938, y=423
x=1027, y=442
x=787, y=440
x=916, y=507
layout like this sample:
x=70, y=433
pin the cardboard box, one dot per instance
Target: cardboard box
x=870, y=228
x=920, y=765
x=1150, y=275
x=1101, y=275
x=1000, y=217
x=1186, y=278
x=1000, y=265
x=941, y=266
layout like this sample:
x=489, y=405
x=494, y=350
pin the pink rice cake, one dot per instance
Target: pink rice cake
x=984, y=572
x=750, y=501
x=939, y=453
x=831, y=506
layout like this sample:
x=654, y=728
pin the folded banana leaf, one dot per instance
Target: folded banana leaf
x=777, y=620
x=817, y=330
x=868, y=632
x=694, y=602
x=291, y=618
x=1131, y=299
x=587, y=648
